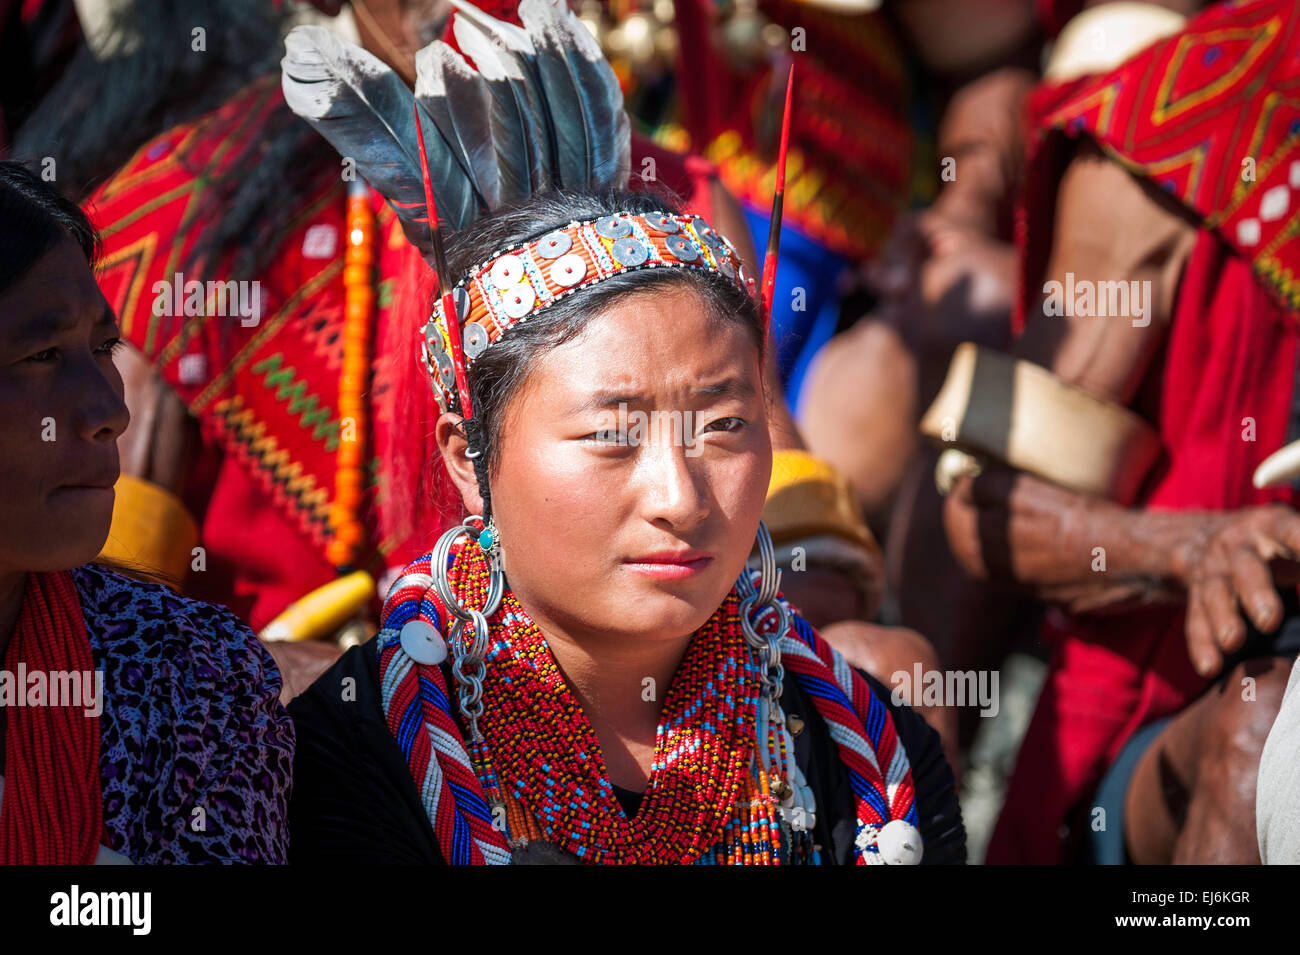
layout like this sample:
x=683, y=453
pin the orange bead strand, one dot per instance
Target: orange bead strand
x=354, y=378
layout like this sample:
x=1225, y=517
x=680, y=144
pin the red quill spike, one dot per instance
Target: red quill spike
x=444, y=286
x=778, y=201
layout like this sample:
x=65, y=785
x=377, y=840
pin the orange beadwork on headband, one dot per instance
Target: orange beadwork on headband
x=515, y=284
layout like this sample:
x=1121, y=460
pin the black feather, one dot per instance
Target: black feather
x=459, y=102
x=367, y=113
x=592, y=132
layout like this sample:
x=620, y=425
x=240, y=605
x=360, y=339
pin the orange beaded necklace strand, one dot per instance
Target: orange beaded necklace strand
x=358, y=314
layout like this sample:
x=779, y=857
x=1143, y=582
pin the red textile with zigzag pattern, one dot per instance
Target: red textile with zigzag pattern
x=1196, y=113
x=265, y=395
x=1184, y=113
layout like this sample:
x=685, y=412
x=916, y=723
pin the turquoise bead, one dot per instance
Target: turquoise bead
x=485, y=539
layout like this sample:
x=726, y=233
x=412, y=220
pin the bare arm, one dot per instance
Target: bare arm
x=1089, y=553
x=1109, y=228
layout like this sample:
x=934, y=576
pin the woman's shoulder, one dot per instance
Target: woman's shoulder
x=127, y=618
x=180, y=675
x=348, y=689
x=354, y=800
x=341, y=714
x=192, y=727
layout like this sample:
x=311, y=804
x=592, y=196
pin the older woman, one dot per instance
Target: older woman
x=137, y=726
x=586, y=669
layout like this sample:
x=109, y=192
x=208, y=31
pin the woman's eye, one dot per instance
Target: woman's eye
x=726, y=424
x=49, y=354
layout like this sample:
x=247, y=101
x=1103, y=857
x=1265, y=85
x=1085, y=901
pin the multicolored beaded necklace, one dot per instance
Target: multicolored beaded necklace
x=537, y=741
x=723, y=788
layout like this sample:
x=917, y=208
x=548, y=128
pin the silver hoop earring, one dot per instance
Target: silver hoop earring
x=758, y=604
x=467, y=664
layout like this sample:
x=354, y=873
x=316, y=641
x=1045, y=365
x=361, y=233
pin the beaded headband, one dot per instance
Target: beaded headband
x=515, y=284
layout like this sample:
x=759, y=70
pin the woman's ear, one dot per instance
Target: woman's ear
x=451, y=442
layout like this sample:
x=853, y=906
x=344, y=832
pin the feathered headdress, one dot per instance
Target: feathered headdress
x=543, y=108
x=539, y=108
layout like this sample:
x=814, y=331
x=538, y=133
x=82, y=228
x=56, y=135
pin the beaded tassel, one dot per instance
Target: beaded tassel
x=498, y=805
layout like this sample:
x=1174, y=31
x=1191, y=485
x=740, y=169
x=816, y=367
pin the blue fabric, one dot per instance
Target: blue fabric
x=810, y=266
x=1106, y=847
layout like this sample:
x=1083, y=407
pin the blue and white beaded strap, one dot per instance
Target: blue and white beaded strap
x=534, y=272
x=595, y=246
x=640, y=234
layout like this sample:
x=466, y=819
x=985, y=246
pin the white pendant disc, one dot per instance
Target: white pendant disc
x=899, y=843
x=423, y=643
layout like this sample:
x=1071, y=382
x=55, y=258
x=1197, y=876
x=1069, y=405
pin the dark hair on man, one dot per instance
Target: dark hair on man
x=146, y=77
x=34, y=218
x=500, y=371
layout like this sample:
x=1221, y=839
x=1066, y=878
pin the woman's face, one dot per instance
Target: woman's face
x=634, y=466
x=61, y=412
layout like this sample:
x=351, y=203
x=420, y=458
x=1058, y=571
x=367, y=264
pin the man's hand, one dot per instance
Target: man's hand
x=1232, y=568
x=1012, y=526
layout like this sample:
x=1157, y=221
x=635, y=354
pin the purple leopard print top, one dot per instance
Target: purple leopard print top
x=196, y=752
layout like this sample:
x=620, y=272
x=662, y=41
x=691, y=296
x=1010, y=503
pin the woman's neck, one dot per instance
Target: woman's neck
x=11, y=604
x=621, y=685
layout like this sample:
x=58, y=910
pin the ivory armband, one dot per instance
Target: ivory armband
x=994, y=406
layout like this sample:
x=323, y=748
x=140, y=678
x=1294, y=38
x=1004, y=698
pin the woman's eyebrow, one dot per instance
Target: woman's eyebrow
x=37, y=327
x=34, y=328
x=600, y=400
x=731, y=387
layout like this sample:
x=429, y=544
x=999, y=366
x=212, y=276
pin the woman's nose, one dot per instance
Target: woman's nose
x=101, y=413
x=674, y=489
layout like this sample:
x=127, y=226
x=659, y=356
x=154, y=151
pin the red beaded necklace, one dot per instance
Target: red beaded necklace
x=541, y=753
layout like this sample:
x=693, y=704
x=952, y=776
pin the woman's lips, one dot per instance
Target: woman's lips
x=101, y=480
x=84, y=489
x=101, y=484
x=670, y=566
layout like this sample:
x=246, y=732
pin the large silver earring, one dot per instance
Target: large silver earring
x=756, y=605
x=467, y=665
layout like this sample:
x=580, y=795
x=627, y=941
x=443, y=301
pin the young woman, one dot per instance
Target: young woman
x=586, y=670
x=137, y=726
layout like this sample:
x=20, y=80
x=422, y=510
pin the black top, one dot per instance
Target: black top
x=354, y=800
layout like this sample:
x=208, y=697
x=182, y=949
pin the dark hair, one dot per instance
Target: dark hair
x=146, y=77
x=500, y=371
x=34, y=219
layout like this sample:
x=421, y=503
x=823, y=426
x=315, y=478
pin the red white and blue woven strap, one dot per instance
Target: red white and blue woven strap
x=859, y=723
x=417, y=709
